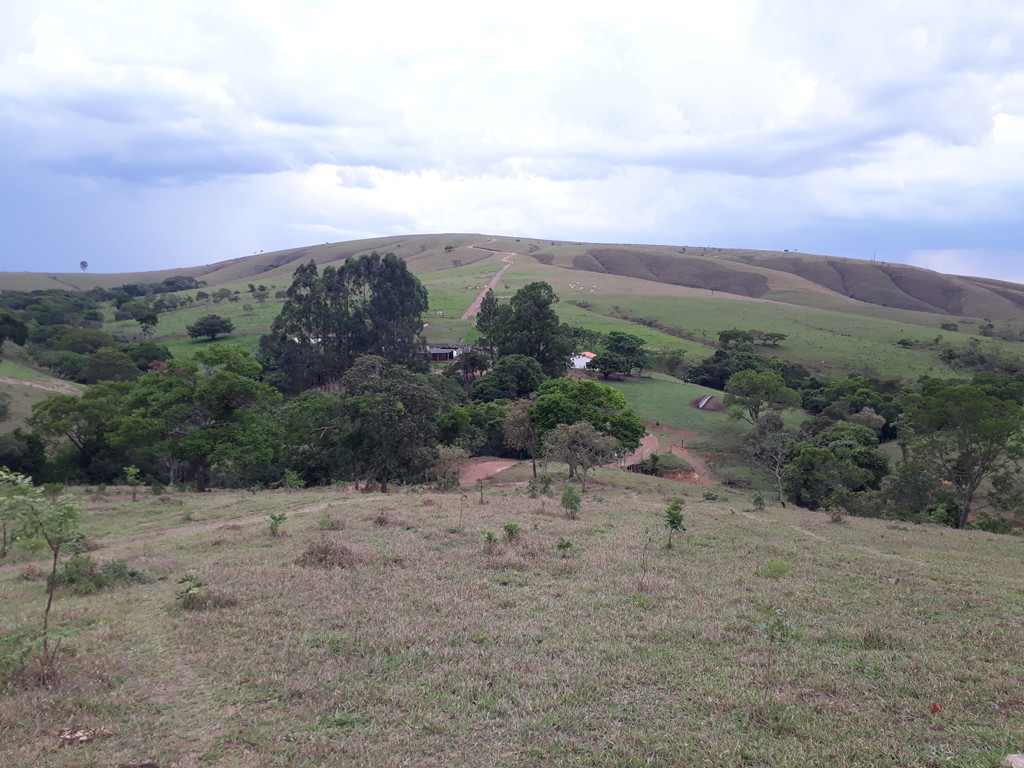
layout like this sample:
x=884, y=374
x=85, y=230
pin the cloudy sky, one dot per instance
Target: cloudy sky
x=140, y=135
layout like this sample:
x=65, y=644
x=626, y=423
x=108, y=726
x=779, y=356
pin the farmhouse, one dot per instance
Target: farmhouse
x=579, y=362
x=440, y=353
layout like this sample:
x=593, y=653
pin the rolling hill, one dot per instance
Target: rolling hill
x=789, y=277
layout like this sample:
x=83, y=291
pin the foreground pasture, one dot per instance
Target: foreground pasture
x=769, y=638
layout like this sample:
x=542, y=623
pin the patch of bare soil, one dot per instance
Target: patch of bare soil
x=483, y=469
x=650, y=444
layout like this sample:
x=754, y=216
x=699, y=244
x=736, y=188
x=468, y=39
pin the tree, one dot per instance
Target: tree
x=751, y=392
x=513, y=377
x=607, y=363
x=528, y=325
x=83, y=265
x=967, y=435
x=147, y=322
x=715, y=370
x=205, y=413
x=485, y=321
x=449, y=463
x=87, y=422
x=210, y=326
x=108, y=365
x=12, y=328
x=842, y=460
x=563, y=401
x=734, y=337
x=521, y=432
x=311, y=436
x=371, y=305
x=22, y=452
x=469, y=366
x=581, y=447
x=770, y=446
x=31, y=515
x=390, y=416
x=630, y=348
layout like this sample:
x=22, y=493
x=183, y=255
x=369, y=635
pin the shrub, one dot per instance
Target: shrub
x=990, y=524
x=674, y=520
x=711, y=496
x=275, y=522
x=563, y=546
x=512, y=531
x=571, y=501
x=758, y=500
x=84, y=576
x=292, y=480
x=325, y=554
x=15, y=650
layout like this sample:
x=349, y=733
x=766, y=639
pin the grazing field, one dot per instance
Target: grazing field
x=383, y=631
x=826, y=343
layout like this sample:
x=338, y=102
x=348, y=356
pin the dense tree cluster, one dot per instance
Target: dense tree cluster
x=371, y=305
x=527, y=325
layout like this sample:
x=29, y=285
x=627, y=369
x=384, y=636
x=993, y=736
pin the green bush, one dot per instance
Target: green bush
x=571, y=500
x=990, y=524
x=84, y=576
x=15, y=650
x=292, y=480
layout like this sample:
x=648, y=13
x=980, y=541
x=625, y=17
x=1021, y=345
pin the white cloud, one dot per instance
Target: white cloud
x=569, y=120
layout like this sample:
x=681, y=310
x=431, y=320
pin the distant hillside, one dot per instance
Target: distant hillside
x=779, y=276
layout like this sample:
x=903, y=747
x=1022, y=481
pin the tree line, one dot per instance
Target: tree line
x=338, y=391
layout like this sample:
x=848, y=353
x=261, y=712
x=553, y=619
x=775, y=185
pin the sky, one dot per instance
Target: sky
x=149, y=135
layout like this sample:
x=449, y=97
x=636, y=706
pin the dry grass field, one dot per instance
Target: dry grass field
x=385, y=631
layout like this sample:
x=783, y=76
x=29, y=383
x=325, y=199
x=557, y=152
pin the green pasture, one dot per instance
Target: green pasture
x=827, y=343
x=770, y=638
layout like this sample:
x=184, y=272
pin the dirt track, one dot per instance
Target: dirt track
x=59, y=387
x=481, y=470
x=507, y=258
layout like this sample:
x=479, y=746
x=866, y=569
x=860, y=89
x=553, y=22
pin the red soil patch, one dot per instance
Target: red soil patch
x=481, y=470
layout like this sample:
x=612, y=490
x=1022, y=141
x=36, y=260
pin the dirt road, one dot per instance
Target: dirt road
x=507, y=258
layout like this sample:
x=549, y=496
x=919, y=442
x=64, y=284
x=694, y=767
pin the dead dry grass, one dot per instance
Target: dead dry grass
x=425, y=646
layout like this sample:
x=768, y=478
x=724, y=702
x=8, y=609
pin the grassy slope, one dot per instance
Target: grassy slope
x=432, y=651
x=827, y=343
